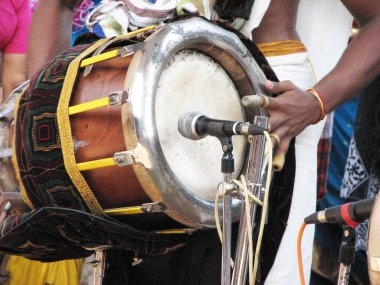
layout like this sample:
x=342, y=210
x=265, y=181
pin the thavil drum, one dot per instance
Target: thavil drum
x=96, y=128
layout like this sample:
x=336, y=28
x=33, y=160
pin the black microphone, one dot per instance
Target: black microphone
x=195, y=126
x=350, y=214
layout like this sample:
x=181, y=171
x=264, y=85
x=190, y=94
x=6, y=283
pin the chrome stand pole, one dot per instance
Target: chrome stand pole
x=227, y=167
x=227, y=229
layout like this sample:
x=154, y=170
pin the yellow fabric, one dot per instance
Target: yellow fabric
x=27, y=272
x=281, y=48
x=91, y=105
x=64, y=126
x=24, y=193
x=94, y=164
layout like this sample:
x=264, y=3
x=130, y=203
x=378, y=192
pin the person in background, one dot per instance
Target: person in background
x=53, y=20
x=14, y=27
x=359, y=65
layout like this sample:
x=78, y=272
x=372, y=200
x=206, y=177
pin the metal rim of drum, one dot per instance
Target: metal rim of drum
x=142, y=79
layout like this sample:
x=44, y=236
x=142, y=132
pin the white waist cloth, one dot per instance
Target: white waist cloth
x=323, y=25
x=297, y=68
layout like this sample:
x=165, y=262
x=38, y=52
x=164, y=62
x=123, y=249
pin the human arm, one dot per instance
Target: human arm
x=360, y=64
x=13, y=64
x=50, y=32
x=13, y=67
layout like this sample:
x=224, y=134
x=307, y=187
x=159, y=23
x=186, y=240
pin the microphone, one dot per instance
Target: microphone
x=195, y=126
x=350, y=214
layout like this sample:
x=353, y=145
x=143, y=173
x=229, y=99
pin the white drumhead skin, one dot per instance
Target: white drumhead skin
x=192, y=81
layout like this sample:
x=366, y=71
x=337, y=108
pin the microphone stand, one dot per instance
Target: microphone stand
x=227, y=167
x=99, y=264
x=346, y=255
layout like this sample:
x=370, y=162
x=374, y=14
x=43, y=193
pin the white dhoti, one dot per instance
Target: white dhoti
x=297, y=68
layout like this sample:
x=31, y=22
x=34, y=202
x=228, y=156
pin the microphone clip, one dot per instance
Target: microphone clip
x=227, y=162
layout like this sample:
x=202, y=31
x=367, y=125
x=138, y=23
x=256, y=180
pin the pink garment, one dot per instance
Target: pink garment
x=33, y=5
x=15, y=18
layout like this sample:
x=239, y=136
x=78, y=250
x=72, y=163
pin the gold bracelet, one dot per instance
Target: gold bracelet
x=320, y=101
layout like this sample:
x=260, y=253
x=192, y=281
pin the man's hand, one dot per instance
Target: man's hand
x=290, y=113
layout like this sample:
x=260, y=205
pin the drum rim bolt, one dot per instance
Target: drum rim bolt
x=124, y=158
x=114, y=99
x=130, y=49
x=125, y=51
x=119, y=159
x=118, y=97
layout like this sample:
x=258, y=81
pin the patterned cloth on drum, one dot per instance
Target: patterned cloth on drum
x=39, y=156
x=54, y=233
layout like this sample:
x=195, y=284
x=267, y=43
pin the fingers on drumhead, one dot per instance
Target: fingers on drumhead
x=279, y=87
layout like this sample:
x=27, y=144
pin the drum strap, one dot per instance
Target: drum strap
x=64, y=126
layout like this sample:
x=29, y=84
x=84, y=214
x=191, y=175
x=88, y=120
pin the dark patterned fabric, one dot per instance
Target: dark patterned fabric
x=230, y=9
x=362, y=171
x=38, y=147
x=324, y=147
x=361, y=180
x=54, y=233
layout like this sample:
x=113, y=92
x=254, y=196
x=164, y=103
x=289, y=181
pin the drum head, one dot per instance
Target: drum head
x=192, y=81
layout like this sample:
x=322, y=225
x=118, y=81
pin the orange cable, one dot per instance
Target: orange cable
x=299, y=255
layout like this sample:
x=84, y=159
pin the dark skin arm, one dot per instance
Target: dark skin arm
x=50, y=32
x=295, y=109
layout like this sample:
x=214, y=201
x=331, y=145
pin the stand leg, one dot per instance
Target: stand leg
x=239, y=274
x=346, y=255
x=344, y=274
x=227, y=228
x=227, y=167
x=99, y=266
